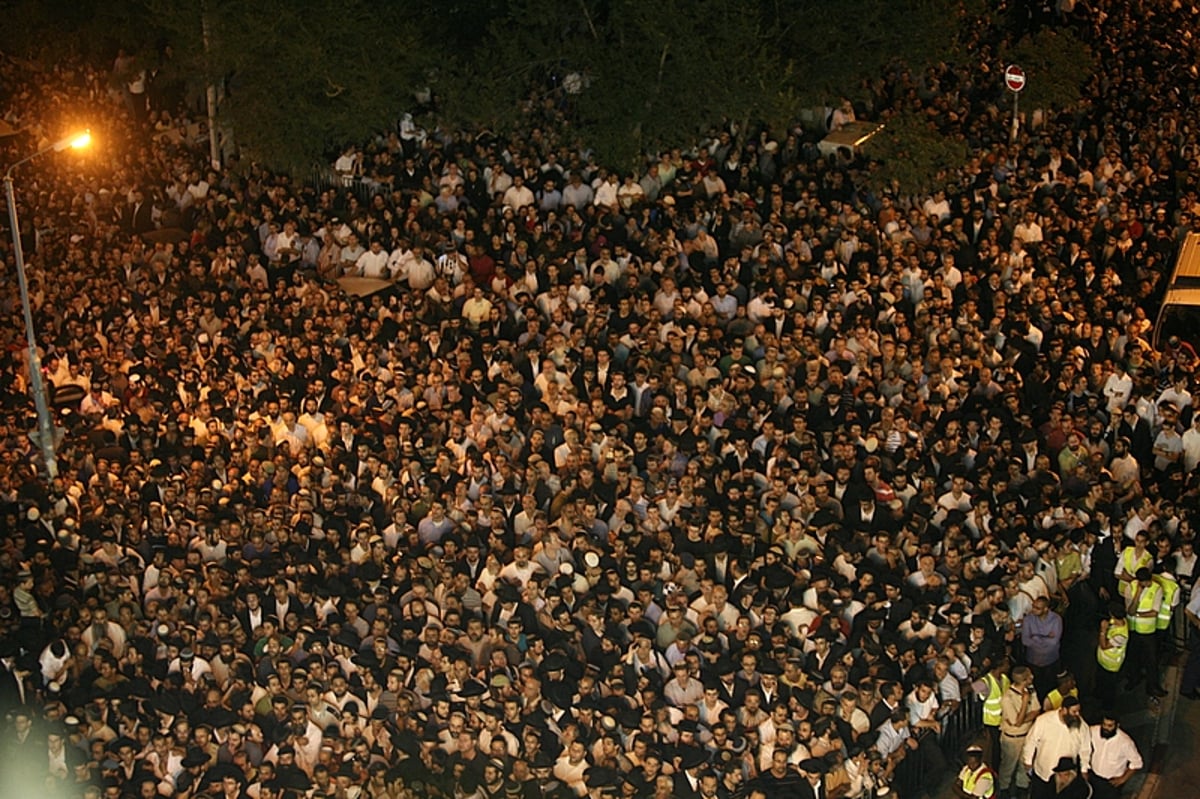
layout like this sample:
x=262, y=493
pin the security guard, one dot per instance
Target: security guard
x=997, y=682
x=1170, y=588
x=1110, y=653
x=1133, y=558
x=976, y=780
x=1064, y=686
x=1141, y=608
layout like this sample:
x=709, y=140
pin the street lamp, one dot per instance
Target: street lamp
x=45, y=426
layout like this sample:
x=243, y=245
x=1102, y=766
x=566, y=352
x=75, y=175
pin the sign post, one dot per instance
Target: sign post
x=1014, y=80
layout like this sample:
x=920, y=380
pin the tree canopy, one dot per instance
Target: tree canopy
x=1056, y=65
x=624, y=75
x=302, y=78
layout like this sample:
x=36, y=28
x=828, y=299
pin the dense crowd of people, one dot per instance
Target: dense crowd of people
x=733, y=476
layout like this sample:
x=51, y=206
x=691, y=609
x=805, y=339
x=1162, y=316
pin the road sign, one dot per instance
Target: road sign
x=1014, y=78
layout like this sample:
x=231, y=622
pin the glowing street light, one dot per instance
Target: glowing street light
x=45, y=426
x=76, y=142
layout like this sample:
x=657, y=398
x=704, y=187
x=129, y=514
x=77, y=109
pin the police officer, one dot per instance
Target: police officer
x=976, y=780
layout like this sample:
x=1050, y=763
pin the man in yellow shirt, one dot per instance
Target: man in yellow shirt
x=477, y=308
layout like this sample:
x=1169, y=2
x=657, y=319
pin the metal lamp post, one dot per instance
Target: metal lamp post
x=37, y=386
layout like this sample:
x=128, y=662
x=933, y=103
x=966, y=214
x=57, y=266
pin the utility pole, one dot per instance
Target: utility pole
x=210, y=91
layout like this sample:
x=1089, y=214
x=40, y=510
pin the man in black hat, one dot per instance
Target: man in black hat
x=287, y=772
x=14, y=691
x=557, y=687
x=194, y=762
x=687, y=778
x=813, y=785
x=688, y=741
x=731, y=688
x=544, y=784
x=1067, y=782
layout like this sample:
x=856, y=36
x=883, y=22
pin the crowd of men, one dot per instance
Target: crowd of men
x=733, y=476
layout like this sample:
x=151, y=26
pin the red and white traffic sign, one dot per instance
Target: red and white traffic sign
x=1014, y=78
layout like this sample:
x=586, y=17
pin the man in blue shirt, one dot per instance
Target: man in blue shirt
x=1041, y=635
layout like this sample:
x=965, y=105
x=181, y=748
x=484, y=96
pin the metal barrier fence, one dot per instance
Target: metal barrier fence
x=921, y=773
x=324, y=178
x=962, y=725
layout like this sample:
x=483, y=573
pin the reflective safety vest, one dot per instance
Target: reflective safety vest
x=1131, y=564
x=1112, y=658
x=991, y=703
x=1145, y=625
x=1170, y=589
x=980, y=783
x=1055, y=698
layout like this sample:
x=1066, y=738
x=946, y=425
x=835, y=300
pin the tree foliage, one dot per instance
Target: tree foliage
x=625, y=76
x=617, y=78
x=1057, y=65
x=43, y=30
x=300, y=79
x=838, y=46
x=913, y=155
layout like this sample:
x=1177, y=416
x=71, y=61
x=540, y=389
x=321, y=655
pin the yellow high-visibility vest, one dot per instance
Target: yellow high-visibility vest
x=981, y=783
x=991, y=703
x=1145, y=625
x=1112, y=658
x=1130, y=565
x=1170, y=589
x=1055, y=698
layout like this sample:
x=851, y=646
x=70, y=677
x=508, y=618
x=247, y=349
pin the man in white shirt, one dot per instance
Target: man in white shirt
x=420, y=270
x=101, y=629
x=518, y=195
x=1056, y=735
x=922, y=704
x=374, y=262
x=1028, y=230
x=187, y=663
x=1168, y=448
x=522, y=569
x=894, y=733
x=577, y=193
x=1117, y=388
x=937, y=207
x=1115, y=758
x=314, y=424
x=1191, y=446
x=498, y=181
x=606, y=193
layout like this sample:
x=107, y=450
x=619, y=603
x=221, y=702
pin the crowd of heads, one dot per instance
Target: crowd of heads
x=708, y=478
